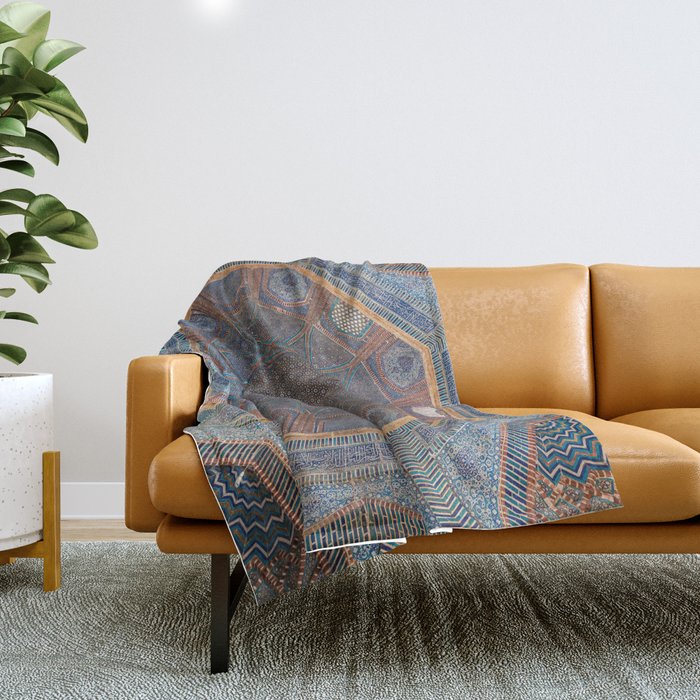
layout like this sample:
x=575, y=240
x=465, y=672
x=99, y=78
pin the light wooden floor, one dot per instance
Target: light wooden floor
x=101, y=531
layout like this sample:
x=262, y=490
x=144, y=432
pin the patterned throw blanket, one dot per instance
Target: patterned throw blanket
x=331, y=429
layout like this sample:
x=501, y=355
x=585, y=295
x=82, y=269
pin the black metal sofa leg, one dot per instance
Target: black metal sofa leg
x=226, y=591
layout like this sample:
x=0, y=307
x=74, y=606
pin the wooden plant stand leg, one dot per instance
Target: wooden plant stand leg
x=52, y=521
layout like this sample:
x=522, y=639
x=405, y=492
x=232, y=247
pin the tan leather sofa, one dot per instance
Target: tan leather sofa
x=615, y=346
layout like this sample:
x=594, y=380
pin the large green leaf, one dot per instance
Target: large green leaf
x=57, y=108
x=20, y=66
x=81, y=235
x=26, y=270
x=61, y=105
x=7, y=291
x=35, y=141
x=80, y=131
x=60, y=101
x=16, y=88
x=8, y=208
x=5, y=250
x=19, y=166
x=53, y=52
x=23, y=248
x=17, y=63
x=7, y=33
x=18, y=316
x=36, y=284
x=13, y=353
x=17, y=195
x=42, y=80
x=12, y=126
x=30, y=19
x=47, y=215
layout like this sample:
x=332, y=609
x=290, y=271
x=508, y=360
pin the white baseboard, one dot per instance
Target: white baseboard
x=94, y=500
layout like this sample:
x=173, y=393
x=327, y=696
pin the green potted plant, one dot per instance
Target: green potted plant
x=28, y=88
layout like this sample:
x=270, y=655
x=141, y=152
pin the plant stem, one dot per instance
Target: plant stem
x=12, y=104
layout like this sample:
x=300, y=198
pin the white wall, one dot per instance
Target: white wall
x=447, y=131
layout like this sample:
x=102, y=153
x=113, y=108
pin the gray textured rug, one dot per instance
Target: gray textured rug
x=130, y=622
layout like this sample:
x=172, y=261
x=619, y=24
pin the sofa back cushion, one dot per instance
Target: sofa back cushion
x=521, y=336
x=646, y=328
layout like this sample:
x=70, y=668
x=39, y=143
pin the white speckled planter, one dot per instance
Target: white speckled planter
x=26, y=431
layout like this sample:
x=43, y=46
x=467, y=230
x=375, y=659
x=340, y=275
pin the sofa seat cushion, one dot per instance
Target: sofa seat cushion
x=682, y=424
x=658, y=477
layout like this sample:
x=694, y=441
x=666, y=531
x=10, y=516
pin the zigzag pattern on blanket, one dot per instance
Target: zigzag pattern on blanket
x=261, y=507
x=331, y=427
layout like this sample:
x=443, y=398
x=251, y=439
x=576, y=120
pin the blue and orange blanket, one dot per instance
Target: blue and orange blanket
x=331, y=429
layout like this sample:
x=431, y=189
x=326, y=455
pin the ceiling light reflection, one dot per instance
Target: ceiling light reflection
x=216, y=9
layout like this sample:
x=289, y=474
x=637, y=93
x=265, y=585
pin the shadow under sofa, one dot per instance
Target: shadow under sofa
x=614, y=346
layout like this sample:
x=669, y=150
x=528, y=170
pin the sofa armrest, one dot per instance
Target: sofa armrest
x=164, y=393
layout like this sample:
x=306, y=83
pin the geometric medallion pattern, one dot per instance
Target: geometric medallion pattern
x=331, y=429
